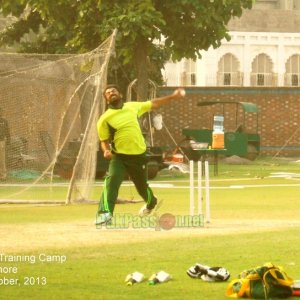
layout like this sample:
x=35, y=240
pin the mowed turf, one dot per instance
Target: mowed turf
x=98, y=272
x=254, y=219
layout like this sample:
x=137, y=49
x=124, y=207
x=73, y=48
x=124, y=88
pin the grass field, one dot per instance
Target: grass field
x=55, y=252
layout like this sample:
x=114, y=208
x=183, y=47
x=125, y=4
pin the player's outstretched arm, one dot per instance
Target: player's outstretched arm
x=177, y=94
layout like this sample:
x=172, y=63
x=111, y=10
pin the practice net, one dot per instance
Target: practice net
x=52, y=104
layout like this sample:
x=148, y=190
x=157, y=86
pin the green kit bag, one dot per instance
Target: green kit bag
x=267, y=281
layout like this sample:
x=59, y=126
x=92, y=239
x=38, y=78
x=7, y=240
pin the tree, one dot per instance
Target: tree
x=186, y=27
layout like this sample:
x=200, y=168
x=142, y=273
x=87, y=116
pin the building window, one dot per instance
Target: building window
x=188, y=75
x=260, y=79
x=193, y=79
x=295, y=80
x=262, y=74
x=292, y=68
x=227, y=79
x=228, y=71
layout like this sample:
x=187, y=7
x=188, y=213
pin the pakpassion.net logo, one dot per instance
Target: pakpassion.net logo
x=166, y=221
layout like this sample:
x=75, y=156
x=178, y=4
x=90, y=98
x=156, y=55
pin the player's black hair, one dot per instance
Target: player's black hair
x=109, y=86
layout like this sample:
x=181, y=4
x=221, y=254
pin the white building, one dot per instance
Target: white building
x=264, y=50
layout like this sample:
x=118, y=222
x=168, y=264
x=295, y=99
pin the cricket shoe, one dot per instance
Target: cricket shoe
x=103, y=218
x=145, y=211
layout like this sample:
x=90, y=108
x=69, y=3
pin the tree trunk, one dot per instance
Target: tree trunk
x=141, y=69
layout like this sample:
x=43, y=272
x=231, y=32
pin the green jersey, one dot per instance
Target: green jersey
x=121, y=126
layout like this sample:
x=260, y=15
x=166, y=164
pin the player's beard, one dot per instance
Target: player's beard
x=115, y=101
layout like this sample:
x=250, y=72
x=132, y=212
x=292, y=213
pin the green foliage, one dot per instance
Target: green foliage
x=187, y=27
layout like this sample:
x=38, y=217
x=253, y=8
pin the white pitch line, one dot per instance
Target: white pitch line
x=236, y=186
x=163, y=185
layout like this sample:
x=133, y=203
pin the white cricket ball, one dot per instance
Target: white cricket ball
x=182, y=92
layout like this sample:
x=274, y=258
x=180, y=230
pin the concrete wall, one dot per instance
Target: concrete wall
x=267, y=20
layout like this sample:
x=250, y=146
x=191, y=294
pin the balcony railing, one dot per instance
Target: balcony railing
x=188, y=78
x=292, y=79
x=230, y=79
x=263, y=79
x=234, y=79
